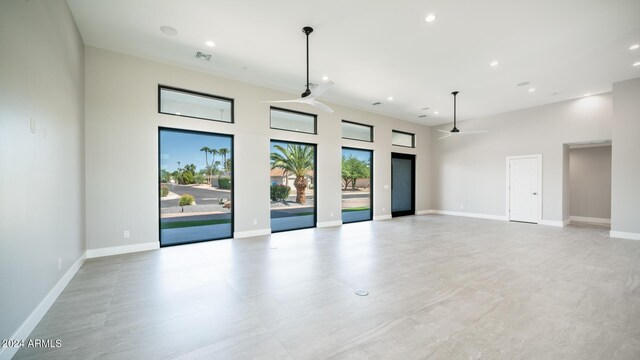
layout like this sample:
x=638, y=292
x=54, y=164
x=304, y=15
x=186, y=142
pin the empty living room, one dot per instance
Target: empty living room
x=445, y=179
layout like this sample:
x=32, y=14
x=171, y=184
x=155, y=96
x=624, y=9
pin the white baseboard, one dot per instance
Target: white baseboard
x=329, y=223
x=424, y=212
x=554, y=223
x=590, y=220
x=38, y=313
x=382, y=217
x=116, y=250
x=251, y=233
x=624, y=235
x=466, y=214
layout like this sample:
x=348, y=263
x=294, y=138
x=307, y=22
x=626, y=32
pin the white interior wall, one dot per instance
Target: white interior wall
x=121, y=135
x=470, y=170
x=625, y=166
x=590, y=184
x=41, y=172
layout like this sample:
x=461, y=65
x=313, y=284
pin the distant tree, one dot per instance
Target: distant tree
x=353, y=169
x=206, y=151
x=165, y=176
x=224, y=152
x=227, y=165
x=295, y=159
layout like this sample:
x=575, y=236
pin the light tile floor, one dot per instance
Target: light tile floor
x=440, y=288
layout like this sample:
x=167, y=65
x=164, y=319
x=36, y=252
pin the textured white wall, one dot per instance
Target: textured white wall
x=41, y=173
x=470, y=170
x=590, y=173
x=122, y=147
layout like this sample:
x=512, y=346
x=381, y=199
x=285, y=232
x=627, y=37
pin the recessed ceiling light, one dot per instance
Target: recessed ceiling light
x=634, y=46
x=436, y=112
x=524, y=83
x=532, y=89
x=325, y=78
x=430, y=18
x=168, y=30
x=210, y=43
x=637, y=63
x=390, y=98
x=494, y=63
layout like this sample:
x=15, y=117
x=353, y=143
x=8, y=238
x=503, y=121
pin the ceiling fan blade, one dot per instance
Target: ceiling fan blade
x=320, y=89
x=285, y=101
x=444, y=131
x=446, y=136
x=474, y=132
x=319, y=105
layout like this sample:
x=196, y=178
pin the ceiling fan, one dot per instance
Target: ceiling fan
x=309, y=96
x=455, y=130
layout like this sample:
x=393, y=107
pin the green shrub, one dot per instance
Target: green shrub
x=164, y=191
x=224, y=183
x=279, y=192
x=187, y=199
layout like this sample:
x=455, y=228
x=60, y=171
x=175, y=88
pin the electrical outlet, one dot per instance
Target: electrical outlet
x=384, y=210
x=126, y=234
x=59, y=264
x=255, y=221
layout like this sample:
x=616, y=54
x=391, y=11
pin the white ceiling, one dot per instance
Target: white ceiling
x=376, y=49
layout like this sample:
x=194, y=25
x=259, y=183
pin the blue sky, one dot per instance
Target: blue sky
x=185, y=147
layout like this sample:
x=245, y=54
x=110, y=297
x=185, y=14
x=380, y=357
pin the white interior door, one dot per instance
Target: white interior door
x=524, y=188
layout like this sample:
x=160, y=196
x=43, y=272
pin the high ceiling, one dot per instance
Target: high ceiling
x=374, y=50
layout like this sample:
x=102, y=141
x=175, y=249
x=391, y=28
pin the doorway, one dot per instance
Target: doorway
x=403, y=184
x=524, y=184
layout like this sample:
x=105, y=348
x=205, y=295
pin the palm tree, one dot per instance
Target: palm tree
x=214, y=153
x=224, y=152
x=206, y=151
x=295, y=159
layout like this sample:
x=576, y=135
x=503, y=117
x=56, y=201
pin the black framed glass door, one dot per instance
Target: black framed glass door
x=403, y=184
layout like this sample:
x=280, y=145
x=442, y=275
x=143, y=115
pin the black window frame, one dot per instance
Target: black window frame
x=413, y=139
x=315, y=183
x=315, y=120
x=371, y=127
x=195, y=93
x=233, y=192
x=371, y=180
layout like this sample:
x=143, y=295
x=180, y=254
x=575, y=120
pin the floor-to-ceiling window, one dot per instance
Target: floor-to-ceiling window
x=196, y=186
x=357, y=181
x=293, y=190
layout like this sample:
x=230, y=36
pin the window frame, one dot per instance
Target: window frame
x=199, y=94
x=413, y=139
x=360, y=124
x=315, y=120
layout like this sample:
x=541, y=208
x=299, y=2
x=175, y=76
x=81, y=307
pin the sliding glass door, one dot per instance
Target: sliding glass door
x=357, y=181
x=196, y=186
x=293, y=197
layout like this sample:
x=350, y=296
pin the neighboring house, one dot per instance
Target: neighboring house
x=279, y=177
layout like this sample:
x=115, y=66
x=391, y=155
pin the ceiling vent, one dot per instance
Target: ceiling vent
x=422, y=116
x=203, y=56
x=376, y=103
